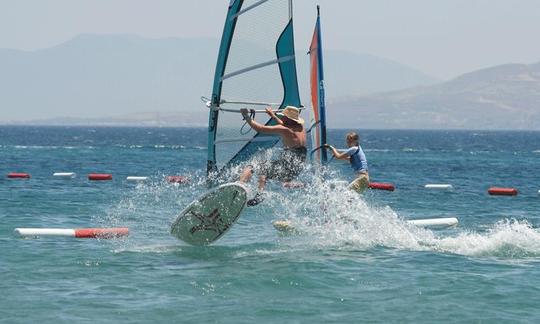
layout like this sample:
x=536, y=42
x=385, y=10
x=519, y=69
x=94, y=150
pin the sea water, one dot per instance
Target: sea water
x=354, y=258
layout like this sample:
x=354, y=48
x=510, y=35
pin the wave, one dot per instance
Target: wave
x=409, y=149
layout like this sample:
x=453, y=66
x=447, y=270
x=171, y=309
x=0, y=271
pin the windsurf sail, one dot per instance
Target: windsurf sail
x=317, y=127
x=256, y=67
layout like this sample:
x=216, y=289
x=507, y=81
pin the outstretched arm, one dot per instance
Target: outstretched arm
x=259, y=127
x=337, y=155
x=270, y=112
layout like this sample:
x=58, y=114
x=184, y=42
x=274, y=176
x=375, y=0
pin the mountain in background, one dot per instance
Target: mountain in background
x=350, y=74
x=133, y=81
x=99, y=76
x=501, y=97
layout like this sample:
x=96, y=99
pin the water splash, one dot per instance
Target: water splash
x=329, y=215
x=505, y=239
x=325, y=212
x=148, y=209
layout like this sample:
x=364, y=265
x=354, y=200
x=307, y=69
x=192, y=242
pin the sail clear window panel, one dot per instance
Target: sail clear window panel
x=260, y=85
x=256, y=34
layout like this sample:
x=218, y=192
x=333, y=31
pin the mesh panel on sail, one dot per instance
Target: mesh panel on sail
x=256, y=34
x=231, y=137
x=254, y=43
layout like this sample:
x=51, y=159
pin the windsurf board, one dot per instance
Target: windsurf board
x=209, y=217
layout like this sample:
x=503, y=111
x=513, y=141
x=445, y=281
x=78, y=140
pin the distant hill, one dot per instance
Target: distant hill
x=501, y=97
x=96, y=76
x=143, y=119
x=350, y=74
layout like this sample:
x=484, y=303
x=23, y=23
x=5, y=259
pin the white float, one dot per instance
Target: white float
x=432, y=223
x=435, y=222
x=103, y=233
x=438, y=186
x=133, y=178
x=67, y=175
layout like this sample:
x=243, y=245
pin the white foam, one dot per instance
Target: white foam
x=326, y=218
x=507, y=238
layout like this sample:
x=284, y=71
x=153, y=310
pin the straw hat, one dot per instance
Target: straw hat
x=293, y=114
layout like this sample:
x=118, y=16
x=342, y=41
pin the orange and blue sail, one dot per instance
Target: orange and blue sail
x=317, y=128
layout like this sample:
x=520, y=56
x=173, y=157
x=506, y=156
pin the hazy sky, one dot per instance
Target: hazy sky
x=443, y=38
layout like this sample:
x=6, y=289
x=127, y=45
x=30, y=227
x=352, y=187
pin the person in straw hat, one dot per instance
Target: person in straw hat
x=291, y=160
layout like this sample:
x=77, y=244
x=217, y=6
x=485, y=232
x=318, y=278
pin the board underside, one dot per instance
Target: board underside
x=208, y=218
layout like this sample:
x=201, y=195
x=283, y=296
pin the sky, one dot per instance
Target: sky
x=443, y=38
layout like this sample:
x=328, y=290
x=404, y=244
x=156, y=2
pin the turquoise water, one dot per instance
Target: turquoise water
x=359, y=262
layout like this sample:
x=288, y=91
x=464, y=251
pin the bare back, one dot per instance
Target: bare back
x=293, y=136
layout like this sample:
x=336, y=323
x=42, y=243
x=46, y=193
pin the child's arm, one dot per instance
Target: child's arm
x=337, y=155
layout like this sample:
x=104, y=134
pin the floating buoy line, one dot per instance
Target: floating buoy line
x=108, y=233
x=180, y=179
x=98, y=177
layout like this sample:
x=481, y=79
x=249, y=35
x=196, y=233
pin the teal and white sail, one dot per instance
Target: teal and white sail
x=256, y=67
